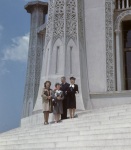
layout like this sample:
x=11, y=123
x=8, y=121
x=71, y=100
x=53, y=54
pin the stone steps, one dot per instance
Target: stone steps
x=70, y=144
x=109, y=109
x=105, y=129
x=87, y=148
x=78, y=122
x=76, y=132
x=66, y=138
x=79, y=127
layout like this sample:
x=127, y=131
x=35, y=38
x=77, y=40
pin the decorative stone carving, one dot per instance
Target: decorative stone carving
x=71, y=20
x=81, y=22
x=120, y=18
x=58, y=30
x=49, y=27
x=110, y=64
x=58, y=10
x=37, y=10
x=62, y=27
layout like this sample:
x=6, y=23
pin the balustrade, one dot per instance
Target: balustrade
x=123, y=4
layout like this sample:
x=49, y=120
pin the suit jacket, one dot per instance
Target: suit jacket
x=64, y=88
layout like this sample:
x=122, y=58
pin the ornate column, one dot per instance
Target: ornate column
x=118, y=60
x=37, y=10
x=110, y=53
x=127, y=3
x=123, y=4
x=119, y=4
x=64, y=47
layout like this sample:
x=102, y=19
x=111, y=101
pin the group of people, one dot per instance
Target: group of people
x=59, y=100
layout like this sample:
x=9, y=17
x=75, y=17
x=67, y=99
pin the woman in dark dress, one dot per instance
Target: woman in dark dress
x=72, y=90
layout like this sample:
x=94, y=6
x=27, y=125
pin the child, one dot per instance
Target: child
x=57, y=102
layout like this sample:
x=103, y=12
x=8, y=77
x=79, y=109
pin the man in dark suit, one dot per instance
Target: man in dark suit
x=64, y=87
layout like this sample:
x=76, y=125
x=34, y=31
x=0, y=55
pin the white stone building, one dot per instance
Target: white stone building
x=88, y=39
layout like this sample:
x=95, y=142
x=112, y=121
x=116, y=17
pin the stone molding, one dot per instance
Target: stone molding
x=120, y=17
x=32, y=5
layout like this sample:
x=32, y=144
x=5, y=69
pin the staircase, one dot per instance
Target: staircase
x=102, y=129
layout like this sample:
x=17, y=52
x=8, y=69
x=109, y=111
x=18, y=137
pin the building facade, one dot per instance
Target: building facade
x=88, y=39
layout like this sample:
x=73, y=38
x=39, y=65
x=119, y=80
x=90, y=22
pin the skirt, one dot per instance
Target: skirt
x=58, y=108
x=71, y=102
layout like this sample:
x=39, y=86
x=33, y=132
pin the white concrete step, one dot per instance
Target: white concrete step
x=48, y=139
x=72, y=144
x=127, y=113
x=82, y=127
x=79, y=125
x=72, y=133
x=109, y=109
x=86, y=148
x=103, y=129
x=102, y=116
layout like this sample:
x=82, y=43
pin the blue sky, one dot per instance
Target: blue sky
x=14, y=38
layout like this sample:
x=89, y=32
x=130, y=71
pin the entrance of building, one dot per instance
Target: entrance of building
x=126, y=31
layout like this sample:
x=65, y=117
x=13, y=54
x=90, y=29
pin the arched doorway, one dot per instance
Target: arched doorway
x=123, y=50
x=126, y=40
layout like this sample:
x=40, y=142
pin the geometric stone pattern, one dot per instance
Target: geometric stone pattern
x=57, y=25
x=49, y=27
x=110, y=61
x=37, y=10
x=81, y=23
x=58, y=21
x=71, y=20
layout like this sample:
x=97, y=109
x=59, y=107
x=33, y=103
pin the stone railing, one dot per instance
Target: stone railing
x=123, y=4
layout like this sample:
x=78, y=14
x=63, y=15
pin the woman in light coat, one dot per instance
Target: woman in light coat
x=46, y=101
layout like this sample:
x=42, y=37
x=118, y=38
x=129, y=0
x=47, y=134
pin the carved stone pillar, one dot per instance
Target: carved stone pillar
x=119, y=61
x=37, y=10
x=119, y=4
x=64, y=50
x=123, y=4
x=110, y=54
x=127, y=3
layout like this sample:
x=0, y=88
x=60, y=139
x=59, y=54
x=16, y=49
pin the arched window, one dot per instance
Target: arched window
x=71, y=58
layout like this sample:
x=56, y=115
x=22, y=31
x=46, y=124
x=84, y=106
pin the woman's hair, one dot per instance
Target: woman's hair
x=47, y=82
x=72, y=78
x=57, y=84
